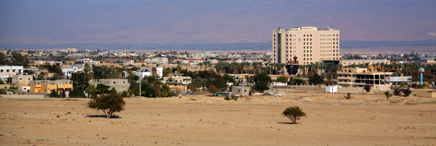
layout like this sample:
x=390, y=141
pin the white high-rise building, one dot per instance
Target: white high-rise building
x=308, y=44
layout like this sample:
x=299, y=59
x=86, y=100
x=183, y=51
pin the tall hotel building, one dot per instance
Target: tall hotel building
x=307, y=43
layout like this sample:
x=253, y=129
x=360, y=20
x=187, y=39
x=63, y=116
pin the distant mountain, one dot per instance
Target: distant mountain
x=347, y=45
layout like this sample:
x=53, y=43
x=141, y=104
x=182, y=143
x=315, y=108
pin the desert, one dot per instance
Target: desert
x=208, y=120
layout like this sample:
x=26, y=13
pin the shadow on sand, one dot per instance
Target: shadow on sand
x=285, y=123
x=103, y=116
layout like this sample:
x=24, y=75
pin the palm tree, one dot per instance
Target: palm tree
x=254, y=65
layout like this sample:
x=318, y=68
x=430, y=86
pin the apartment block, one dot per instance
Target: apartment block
x=309, y=44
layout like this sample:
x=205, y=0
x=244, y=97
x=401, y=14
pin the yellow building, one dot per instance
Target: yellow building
x=45, y=86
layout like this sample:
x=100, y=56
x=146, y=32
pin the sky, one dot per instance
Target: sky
x=211, y=21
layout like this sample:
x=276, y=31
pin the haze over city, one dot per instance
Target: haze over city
x=223, y=21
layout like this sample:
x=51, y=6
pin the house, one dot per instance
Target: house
x=21, y=80
x=129, y=62
x=241, y=90
x=45, y=86
x=178, y=78
x=67, y=70
x=87, y=61
x=143, y=72
x=7, y=71
x=119, y=84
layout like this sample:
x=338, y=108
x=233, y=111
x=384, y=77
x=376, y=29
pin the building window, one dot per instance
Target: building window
x=21, y=79
x=7, y=70
x=13, y=70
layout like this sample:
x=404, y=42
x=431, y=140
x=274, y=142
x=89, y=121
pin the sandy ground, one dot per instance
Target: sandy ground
x=204, y=120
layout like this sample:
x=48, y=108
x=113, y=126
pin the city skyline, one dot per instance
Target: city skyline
x=34, y=22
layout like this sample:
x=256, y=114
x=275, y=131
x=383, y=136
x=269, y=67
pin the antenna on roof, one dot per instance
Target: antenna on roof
x=328, y=26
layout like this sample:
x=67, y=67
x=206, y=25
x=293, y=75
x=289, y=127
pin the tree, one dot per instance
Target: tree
x=261, y=81
x=90, y=90
x=294, y=113
x=53, y=94
x=406, y=92
x=282, y=79
x=102, y=89
x=108, y=104
x=387, y=94
x=76, y=92
x=397, y=92
x=316, y=79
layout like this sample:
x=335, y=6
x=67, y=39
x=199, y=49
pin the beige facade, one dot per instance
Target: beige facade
x=178, y=78
x=307, y=43
x=21, y=80
x=119, y=84
x=364, y=61
x=361, y=77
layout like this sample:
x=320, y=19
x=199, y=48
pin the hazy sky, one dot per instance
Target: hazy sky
x=166, y=21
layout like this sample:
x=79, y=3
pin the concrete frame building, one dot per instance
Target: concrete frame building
x=21, y=80
x=308, y=43
x=119, y=84
x=361, y=77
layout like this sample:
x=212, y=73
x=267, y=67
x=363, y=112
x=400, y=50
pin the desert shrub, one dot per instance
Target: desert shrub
x=234, y=97
x=397, y=92
x=54, y=94
x=13, y=87
x=227, y=98
x=2, y=91
x=294, y=113
x=124, y=94
x=406, y=92
x=387, y=94
x=108, y=104
x=348, y=96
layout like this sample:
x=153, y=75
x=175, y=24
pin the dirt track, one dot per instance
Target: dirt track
x=205, y=120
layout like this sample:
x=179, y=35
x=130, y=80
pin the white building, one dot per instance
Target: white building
x=129, y=62
x=87, y=61
x=67, y=70
x=178, y=78
x=9, y=71
x=143, y=72
x=158, y=60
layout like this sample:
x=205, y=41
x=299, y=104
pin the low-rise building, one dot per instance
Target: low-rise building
x=143, y=72
x=363, y=61
x=241, y=90
x=7, y=71
x=129, y=62
x=87, y=61
x=45, y=86
x=361, y=77
x=119, y=84
x=67, y=70
x=178, y=78
x=21, y=80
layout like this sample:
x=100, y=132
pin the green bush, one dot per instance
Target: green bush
x=124, y=94
x=388, y=94
x=227, y=98
x=234, y=97
x=13, y=87
x=2, y=91
x=397, y=92
x=348, y=96
x=294, y=113
x=406, y=92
